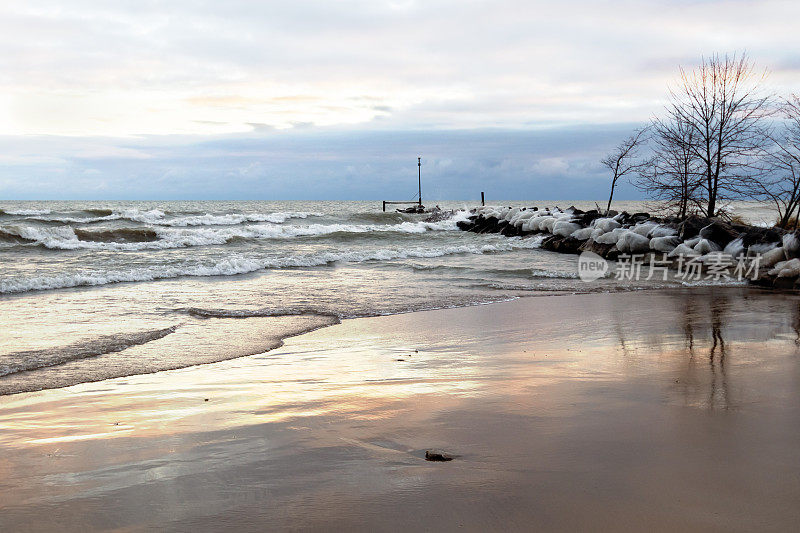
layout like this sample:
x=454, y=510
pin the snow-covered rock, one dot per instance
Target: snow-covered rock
x=786, y=269
x=644, y=228
x=634, y=243
x=791, y=245
x=582, y=234
x=683, y=250
x=565, y=228
x=735, y=248
x=772, y=257
x=664, y=244
x=662, y=231
x=705, y=247
x=606, y=224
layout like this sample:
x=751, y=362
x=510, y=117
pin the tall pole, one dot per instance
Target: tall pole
x=419, y=171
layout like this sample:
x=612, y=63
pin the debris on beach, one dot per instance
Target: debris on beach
x=435, y=455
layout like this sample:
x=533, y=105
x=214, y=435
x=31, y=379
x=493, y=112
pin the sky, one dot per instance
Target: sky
x=335, y=99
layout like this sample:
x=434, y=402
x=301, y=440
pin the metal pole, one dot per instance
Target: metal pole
x=419, y=170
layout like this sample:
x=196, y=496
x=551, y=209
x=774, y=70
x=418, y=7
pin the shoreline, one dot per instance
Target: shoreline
x=572, y=412
x=275, y=340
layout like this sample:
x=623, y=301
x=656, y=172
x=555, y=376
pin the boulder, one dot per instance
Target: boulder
x=691, y=226
x=564, y=245
x=719, y=232
x=586, y=218
x=772, y=257
x=664, y=244
x=760, y=236
x=663, y=230
x=683, y=250
x=467, y=225
x=632, y=242
x=582, y=234
x=791, y=245
x=565, y=228
x=609, y=251
x=706, y=246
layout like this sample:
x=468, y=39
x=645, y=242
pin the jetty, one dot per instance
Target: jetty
x=417, y=204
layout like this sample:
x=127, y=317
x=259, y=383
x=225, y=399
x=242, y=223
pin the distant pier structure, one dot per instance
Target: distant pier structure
x=419, y=208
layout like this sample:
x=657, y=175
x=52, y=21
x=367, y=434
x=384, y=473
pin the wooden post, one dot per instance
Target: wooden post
x=419, y=171
x=482, y=202
x=384, y=206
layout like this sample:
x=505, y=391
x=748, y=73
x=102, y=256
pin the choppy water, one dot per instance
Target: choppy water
x=90, y=290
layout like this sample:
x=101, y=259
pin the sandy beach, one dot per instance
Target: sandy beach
x=648, y=410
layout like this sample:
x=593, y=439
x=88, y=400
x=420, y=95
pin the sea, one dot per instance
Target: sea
x=96, y=290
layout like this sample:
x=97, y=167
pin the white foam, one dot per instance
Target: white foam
x=242, y=265
x=25, y=212
x=64, y=238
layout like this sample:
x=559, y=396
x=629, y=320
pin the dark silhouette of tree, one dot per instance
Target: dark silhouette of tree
x=723, y=105
x=624, y=160
x=782, y=162
x=674, y=177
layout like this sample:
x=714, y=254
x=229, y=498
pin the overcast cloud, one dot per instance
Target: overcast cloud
x=154, y=99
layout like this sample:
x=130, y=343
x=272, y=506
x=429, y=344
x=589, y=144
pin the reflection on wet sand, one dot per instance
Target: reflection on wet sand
x=612, y=411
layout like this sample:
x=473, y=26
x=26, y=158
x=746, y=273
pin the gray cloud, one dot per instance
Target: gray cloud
x=315, y=164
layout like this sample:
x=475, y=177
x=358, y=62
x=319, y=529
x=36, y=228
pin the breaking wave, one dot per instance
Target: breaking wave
x=156, y=217
x=67, y=238
x=13, y=363
x=24, y=212
x=243, y=265
x=251, y=313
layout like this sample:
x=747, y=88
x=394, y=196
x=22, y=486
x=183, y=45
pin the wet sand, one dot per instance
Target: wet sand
x=651, y=410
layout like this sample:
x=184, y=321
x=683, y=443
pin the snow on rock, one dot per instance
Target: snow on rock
x=735, y=248
x=565, y=228
x=611, y=237
x=583, y=234
x=704, y=246
x=644, y=228
x=791, y=245
x=547, y=224
x=664, y=244
x=692, y=242
x=786, y=269
x=772, y=257
x=606, y=224
x=761, y=248
x=684, y=250
x=662, y=231
x=632, y=242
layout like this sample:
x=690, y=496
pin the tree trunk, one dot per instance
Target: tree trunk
x=610, y=196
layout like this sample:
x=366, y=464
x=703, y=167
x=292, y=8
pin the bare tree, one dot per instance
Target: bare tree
x=723, y=104
x=624, y=160
x=674, y=178
x=782, y=187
